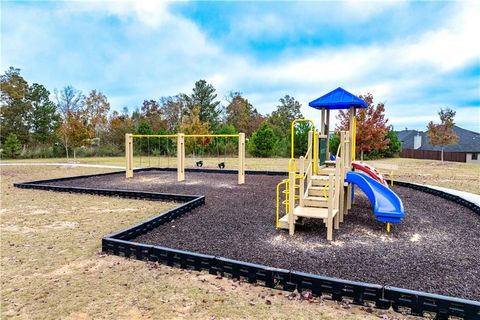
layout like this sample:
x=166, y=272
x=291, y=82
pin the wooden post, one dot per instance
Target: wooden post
x=241, y=158
x=291, y=202
x=316, y=155
x=330, y=208
x=128, y=155
x=338, y=190
x=310, y=161
x=301, y=169
x=343, y=151
x=180, y=157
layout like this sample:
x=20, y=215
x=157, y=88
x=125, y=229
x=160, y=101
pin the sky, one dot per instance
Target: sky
x=416, y=57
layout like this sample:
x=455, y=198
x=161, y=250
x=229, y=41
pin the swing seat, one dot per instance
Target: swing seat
x=221, y=165
x=199, y=163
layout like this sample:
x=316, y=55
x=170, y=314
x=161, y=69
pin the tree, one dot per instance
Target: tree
x=193, y=125
x=152, y=114
x=204, y=97
x=44, y=118
x=68, y=105
x=172, y=109
x=371, y=126
x=281, y=119
x=15, y=106
x=394, y=145
x=301, y=138
x=12, y=146
x=119, y=125
x=241, y=114
x=144, y=143
x=74, y=130
x=96, y=108
x=263, y=141
x=442, y=134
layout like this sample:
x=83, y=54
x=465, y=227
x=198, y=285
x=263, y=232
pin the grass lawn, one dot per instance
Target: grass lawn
x=455, y=175
x=52, y=267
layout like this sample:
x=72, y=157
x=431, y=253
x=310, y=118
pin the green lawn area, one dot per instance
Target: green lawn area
x=52, y=266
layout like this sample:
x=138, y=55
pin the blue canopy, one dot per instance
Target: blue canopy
x=338, y=99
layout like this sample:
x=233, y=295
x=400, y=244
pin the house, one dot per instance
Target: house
x=415, y=144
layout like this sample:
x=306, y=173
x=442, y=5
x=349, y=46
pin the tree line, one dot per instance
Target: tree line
x=36, y=123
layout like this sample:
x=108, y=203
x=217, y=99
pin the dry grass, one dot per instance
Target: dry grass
x=455, y=175
x=52, y=267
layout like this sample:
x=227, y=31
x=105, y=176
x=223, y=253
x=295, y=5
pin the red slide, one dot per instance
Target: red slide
x=371, y=171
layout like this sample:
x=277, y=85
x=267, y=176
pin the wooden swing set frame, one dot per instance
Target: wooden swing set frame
x=180, y=137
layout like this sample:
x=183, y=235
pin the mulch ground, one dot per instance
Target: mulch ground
x=435, y=248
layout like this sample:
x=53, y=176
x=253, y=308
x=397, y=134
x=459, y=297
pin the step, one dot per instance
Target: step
x=315, y=201
x=330, y=163
x=317, y=213
x=317, y=191
x=283, y=221
x=326, y=171
x=319, y=180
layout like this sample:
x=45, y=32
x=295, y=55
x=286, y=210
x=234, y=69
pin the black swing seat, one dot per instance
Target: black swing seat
x=199, y=163
x=221, y=165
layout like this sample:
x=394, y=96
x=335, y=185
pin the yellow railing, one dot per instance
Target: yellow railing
x=285, y=201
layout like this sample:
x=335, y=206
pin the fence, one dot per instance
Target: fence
x=434, y=155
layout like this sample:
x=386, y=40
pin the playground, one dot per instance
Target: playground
x=326, y=215
x=424, y=252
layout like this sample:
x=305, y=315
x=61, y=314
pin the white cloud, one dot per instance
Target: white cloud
x=162, y=53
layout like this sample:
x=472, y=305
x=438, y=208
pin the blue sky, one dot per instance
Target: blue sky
x=416, y=57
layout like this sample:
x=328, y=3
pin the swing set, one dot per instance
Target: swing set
x=219, y=140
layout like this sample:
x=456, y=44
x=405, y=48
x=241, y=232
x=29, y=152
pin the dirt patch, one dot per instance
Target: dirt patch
x=434, y=249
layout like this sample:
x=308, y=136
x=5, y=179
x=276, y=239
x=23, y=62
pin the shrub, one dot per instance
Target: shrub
x=263, y=141
x=12, y=146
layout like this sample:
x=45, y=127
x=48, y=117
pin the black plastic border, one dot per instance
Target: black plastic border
x=383, y=297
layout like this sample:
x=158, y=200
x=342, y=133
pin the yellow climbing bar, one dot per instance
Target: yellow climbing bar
x=154, y=135
x=212, y=136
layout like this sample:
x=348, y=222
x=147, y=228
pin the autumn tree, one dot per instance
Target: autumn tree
x=151, y=113
x=69, y=101
x=442, y=134
x=241, y=114
x=118, y=125
x=96, y=107
x=15, y=106
x=75, y=130
x=203, y=97
x=193, y=125
x=371, y=126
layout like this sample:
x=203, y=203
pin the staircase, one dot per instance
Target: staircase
x=320, y=200
x=317, y=194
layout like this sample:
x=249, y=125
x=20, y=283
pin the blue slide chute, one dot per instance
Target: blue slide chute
x=387, y=206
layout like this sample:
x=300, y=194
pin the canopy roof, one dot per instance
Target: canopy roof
x=338, y=99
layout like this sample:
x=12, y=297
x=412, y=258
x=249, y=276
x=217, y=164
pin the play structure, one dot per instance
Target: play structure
x=317, y=188
x=180, y=141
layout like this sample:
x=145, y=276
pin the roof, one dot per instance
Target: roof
x=338, y=99
x=468, y=141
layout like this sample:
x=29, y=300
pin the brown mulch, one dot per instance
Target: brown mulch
x=435, y=248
